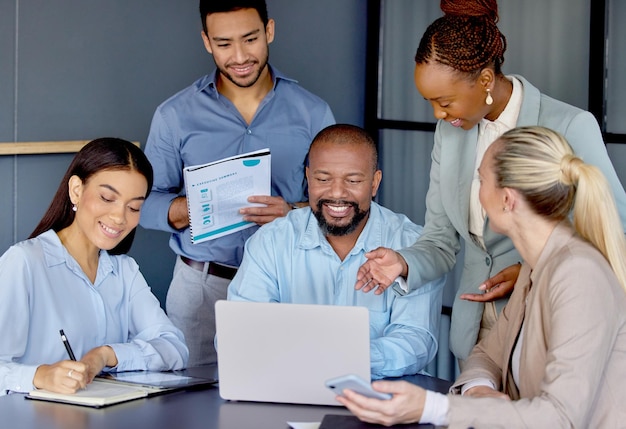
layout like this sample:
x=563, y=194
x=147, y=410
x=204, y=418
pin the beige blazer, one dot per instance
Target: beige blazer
x=573, y=356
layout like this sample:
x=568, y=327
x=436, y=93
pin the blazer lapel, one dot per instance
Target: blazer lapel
x=459, y=153
x=531, y=104
x=517, y=305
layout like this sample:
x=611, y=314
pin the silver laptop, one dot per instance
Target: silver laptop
x=272, y=352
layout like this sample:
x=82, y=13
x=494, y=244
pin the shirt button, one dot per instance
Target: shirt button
x=248, y=131
x=487, y=261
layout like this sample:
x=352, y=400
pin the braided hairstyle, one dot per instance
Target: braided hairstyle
x=466, y=38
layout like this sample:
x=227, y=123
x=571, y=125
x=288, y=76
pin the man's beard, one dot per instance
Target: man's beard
x=339, y=230
x=224, y=72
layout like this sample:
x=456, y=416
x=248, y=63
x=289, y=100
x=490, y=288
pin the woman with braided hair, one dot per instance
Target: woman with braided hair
x=458, y=70
x=556, y=357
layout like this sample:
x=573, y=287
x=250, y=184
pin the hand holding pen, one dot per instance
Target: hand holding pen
x=75, y=374
x=65, y=376
x=67, y=345
x=93, y=361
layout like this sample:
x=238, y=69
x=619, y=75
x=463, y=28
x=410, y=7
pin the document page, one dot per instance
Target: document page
x=216, y=191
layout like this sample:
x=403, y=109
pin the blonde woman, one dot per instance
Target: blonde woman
x=557, y=355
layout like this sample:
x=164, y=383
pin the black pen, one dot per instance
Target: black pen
x=66, y=343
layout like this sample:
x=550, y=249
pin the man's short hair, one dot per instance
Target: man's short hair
x=346, y=134
x=208, y=7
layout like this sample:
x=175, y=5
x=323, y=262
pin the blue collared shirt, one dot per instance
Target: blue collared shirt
x=198, y=126
x=43, y=290
x=290, y=260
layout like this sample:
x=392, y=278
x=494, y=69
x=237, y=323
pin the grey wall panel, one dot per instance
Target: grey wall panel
x=616, y=100
x=37, y=179
x=548, y=43
x=156, y=260
x=6, y=202
x=89, y=69
x=405, y=21
x=7, y=80
x=322, y=44
x=7, y=68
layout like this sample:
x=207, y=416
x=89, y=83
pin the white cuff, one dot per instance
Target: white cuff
x=400, y=286
x=477, y=382
x=436, y=407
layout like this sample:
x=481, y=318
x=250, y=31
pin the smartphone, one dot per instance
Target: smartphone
x=357, y=384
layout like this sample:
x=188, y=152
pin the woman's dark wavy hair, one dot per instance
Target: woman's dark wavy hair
x=105, y=153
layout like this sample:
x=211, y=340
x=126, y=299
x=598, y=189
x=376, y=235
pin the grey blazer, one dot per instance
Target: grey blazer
x=447, y=207
x=573, y=356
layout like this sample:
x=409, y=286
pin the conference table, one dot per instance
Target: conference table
x=185, y=409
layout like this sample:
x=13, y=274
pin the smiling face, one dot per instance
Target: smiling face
x=454, y=99
x=342, y=182
x=239, y=43
x=108, y=206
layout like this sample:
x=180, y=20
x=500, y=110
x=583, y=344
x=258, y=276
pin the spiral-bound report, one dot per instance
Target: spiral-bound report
x=217, y=190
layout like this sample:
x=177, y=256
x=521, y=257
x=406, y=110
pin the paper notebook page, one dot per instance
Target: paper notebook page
x=96, y=393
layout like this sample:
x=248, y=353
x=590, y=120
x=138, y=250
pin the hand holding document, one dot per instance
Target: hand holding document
x=217, y=190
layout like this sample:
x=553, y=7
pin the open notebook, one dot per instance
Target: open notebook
x=115, y=387
x=99, y=393
x=284, y=353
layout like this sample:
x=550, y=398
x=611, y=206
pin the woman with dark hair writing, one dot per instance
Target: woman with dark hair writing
x=72, y=274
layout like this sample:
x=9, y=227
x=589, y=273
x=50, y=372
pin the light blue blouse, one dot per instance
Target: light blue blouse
x=43, y=290
x=290, y=260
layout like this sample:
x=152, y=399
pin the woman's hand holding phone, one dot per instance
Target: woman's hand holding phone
x=356, y=384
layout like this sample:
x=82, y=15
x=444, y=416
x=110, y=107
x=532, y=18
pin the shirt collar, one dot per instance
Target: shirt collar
x=209, y=83
x=508, y=118
x=369, y=239
x=55, y=254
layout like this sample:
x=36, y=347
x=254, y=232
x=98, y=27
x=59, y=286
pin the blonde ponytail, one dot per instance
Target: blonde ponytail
x=542, y=166
x=597, y=220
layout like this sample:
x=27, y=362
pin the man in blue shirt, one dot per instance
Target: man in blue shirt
x=312, y=255
x=244, y=105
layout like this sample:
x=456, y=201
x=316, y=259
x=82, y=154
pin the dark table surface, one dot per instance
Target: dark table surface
x=193, y=409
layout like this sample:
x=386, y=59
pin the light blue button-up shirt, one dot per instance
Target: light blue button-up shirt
x=43, y=290
x=290, y=260
x=198, y=126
